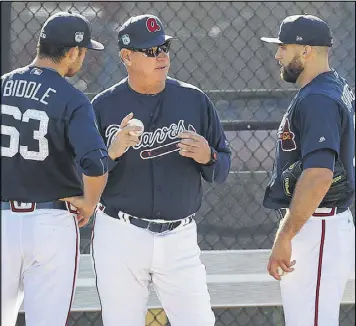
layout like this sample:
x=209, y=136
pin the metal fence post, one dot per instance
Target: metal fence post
x=5, y=36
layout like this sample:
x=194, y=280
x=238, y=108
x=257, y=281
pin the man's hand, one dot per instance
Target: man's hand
x=280, y=257
x=123, y=140
x=85, y=210
x=82, y=221
x=194, y=146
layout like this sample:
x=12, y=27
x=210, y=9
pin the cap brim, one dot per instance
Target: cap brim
x=94, y=45
x=273, y=40
x=151, y=43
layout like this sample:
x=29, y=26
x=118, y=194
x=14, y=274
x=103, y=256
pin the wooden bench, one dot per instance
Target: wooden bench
x=236, y=278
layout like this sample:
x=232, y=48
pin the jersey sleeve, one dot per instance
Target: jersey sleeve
x=219, y=171
x=319, y=121
x=96, y=106
x=84, y=137
x=322, y=158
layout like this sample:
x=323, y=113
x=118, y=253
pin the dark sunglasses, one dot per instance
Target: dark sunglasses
x=155, y=51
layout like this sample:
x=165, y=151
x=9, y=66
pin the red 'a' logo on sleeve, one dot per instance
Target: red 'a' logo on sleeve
x=286, y=136
x=152, y=25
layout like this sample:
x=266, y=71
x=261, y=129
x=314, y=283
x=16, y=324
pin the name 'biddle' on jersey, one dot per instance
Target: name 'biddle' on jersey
x=46, y=122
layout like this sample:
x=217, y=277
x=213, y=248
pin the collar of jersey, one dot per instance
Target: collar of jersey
x=142, y=94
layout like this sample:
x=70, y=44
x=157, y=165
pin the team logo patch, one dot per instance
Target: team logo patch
x=152, y=25
x=125, y=39
x=36, y=71
x=286, y=136
x=79, y=36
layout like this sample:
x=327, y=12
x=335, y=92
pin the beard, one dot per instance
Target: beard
x=291, y=72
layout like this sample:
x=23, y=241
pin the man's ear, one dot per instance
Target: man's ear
x=125, y=56
x=307, y=51
x=73, y=54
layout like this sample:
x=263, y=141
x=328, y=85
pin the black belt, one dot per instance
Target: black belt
x=334, y=211
x=157, y=227
x=22, y=207
x=144, y=224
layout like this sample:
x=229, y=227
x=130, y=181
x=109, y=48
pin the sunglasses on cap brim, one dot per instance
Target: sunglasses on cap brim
x=154, y=51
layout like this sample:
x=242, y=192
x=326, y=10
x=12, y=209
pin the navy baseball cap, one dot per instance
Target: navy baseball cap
x=70, y=30
x=303, y=30
x=142, y=32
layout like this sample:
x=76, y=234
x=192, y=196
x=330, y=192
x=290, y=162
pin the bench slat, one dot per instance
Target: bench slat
x=236, y=278
x=248, y=294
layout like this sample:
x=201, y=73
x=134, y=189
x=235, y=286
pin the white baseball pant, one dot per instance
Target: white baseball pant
x=324, y=251
x=39, y=259
x=127, y=258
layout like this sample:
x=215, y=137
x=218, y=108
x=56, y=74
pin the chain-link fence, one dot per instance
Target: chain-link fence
x=219, y=50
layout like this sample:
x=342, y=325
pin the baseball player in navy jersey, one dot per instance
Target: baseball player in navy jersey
x=313, y=253
x=144, y=230
x=47, y=125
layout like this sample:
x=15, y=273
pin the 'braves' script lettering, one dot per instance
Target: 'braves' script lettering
x=154, y=139
x=160, y=135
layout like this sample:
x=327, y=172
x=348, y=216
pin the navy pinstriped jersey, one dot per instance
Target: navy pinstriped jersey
x=46, y=124
x=151, y=180
x=321, y=116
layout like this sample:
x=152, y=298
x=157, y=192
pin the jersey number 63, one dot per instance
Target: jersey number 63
x=39, y=135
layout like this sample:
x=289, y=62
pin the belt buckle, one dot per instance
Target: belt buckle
x=21, y=207
x=169, y=226
x=165, y=227
x=152, y=227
